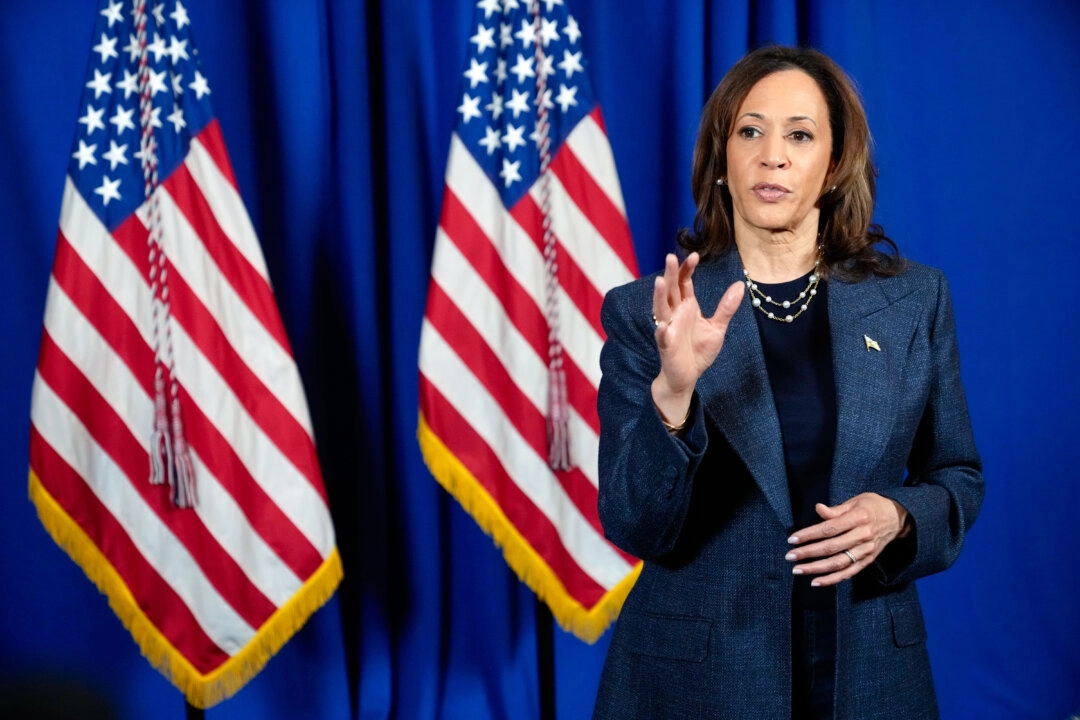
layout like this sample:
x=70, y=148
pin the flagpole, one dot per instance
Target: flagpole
x=193, y=713
x=545, y=659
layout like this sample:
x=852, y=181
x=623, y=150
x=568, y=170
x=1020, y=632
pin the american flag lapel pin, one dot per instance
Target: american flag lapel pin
x=871, y=344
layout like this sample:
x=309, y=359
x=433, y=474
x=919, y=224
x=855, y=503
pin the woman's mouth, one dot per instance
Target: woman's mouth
x=770, y=192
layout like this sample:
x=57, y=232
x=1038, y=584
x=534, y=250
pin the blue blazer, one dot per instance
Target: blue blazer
x=706, y=631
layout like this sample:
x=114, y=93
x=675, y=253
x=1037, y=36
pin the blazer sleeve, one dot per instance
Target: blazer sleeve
x=645, y=474
x=944, y=487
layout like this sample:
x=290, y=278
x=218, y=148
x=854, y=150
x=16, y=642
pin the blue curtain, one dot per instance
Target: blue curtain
x=337, y=115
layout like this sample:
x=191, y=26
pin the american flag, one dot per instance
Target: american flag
x=171, y=449
x=532, y=233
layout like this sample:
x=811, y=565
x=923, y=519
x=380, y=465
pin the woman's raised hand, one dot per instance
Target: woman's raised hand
x=688, y=341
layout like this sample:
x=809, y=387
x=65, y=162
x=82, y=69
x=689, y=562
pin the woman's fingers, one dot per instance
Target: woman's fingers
x=727, y=306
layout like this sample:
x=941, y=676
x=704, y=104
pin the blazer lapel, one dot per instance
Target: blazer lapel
x=736, y=391
x=870, y=338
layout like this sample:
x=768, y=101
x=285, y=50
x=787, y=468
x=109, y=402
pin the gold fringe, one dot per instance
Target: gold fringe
x=572, y=616
x=202, y=691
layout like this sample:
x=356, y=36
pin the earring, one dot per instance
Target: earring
x=720, y=180
x=832, y=188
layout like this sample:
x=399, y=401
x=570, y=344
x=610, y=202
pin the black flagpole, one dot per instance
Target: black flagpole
x=194, y=713
x=545, y=659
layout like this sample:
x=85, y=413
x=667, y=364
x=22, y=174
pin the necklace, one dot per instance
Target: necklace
x=757, y=296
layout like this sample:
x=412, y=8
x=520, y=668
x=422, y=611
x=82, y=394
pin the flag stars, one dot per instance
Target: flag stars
x=117, y=155
x=477, y=73
x=571, y=63
x=505, y=37
x=500, y=71
x=527, y=34
x=570, y=30
x=566, y=97
x=157, y=47
x=177, y=84
x=176, y=117
x=112, y=13
x=106, y=48
x=130, y=83
x=122, y=119
x=200, y=86
x=547, y=66
x=85, y=154
x=92, y=120
x=545, y=99
x=157, y=82
x=549, y=30
x=489, y=7
x=484, y=38
x=514, y=137
x=180, y=15
x=551, y=4
x=159, y=14
x=509, y=6
x=509, y=173
x=491, y=140
x=469, y=108
x=177, y=49
x=100, y=84
x=519, y=102
x=108, y=190
x=523, y=68
x=132, y=48
x=495, y=106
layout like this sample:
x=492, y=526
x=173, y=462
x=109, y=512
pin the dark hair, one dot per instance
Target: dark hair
x=847, y=234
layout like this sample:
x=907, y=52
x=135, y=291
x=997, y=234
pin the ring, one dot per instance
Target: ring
x=851, y=557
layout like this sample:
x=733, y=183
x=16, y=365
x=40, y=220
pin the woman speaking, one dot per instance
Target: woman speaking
x=790, y=460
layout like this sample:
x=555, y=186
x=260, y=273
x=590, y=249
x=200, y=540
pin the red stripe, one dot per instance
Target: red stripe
x=519, y=306
x=577, y=286
x=211, y=139
x=522, y=413
x=266, y=411
x=595, y=204
x=116, y=440
x=96, y=303
x=249, y=284
x=131, y=237
x=157, y=600
x=536, y=529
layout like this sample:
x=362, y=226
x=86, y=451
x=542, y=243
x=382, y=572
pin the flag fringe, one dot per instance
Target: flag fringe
x=202, y=691
x=586, y=624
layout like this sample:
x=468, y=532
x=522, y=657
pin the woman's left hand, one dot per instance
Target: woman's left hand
x=862, y=527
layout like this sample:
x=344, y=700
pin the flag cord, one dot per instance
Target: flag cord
x=170, y=460
x=558, y=415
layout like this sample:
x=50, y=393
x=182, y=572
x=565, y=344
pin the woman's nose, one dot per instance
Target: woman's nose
x=774, y=153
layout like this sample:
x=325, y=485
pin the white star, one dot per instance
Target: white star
x=176, y=117
x=535, y=135
x=571, y=63
x=155, y=117
x=157, y=82
x=107, y=47
x=500, y=71
x=132, y=48
x=199, y=86
x=477, y=73
x=548, y=30
x=509, y=5
x=505, y=38
x=570, y=29
x=547, y=66
x=92, y=120
x=85, y=154
x=100, y=84
x=180, y=15
x=527, y=33
x=159, y=14
x=113, y=13
x=177, y=49
x=122, y=120
x=491, y=139
x=523, y=68
x=519, y=103
x=488, y=6
x=551, y=4
x=566, y=97
x=177, y=84
x=545, y=99
x=109, y=190
x=495, y=106
x=509, y=172
x=514, y=137
x=130, y=83
x=116, y=155
x=147, y=148
x=157, y=47
x=469, y=108
x=484, y=38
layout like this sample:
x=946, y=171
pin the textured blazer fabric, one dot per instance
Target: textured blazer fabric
x=706, y=631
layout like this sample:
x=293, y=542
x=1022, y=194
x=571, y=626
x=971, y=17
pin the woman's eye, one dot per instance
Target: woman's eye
x=749, y=132
x=801, y=136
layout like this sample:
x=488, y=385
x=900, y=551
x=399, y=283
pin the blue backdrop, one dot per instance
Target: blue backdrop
x=337, y=115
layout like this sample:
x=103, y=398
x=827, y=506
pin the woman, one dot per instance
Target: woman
x=787, y=467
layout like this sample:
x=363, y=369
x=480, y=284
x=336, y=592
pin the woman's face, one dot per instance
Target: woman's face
x=778, y=156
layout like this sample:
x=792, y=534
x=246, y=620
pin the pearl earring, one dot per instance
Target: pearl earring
x=720, y=180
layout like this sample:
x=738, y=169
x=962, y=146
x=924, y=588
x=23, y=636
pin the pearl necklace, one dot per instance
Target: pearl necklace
x=756, y=296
